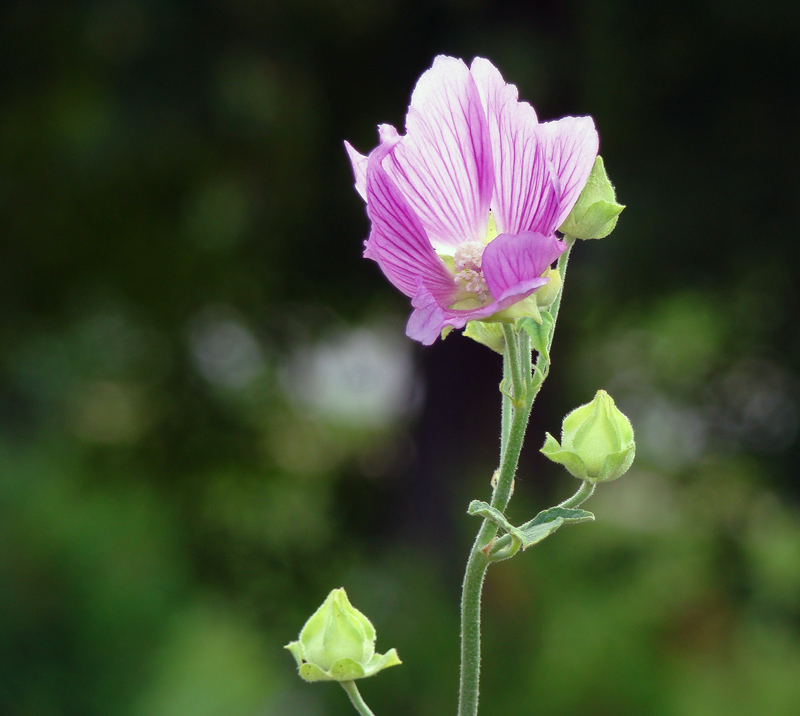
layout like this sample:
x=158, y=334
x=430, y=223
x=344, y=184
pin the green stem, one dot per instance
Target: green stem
x=514, y=364
x=478, y=560
x=584, y=492
x=563, y=260
x=355, y=696
x=517, y=375
x=541, y=364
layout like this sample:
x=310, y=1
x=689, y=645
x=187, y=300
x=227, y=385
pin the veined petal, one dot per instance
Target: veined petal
x=387, y=133
x=443, y=166
x=513, y=264
x=521, y=181
x=398, y=241
x=359, y=163
x=429, y=317
x=427, y=320
x=572, y=144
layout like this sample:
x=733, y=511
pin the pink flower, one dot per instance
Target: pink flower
x=465, y=206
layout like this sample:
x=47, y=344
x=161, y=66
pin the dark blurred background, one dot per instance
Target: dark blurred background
x=210, y=416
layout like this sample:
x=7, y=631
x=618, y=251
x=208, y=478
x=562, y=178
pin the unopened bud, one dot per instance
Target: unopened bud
x=596, y=441
x=338, y=643
x=595, y=214
x=547, y=293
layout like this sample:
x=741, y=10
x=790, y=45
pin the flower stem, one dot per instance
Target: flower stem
x=513, y=365
x=355, y=696
x=585, y=491
x=512, y=439
x=517, y=376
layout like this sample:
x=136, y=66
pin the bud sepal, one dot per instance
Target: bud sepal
x=489, y=334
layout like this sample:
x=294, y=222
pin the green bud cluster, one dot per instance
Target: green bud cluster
x=596, y=441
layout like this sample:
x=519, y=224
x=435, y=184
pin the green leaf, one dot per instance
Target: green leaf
x=536, y=533
x=379, y=662
x=617, y=464
x=484, y=509
x=533, y=531
x=570, y=515
x=548, y=521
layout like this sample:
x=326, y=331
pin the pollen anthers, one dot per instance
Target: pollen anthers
x=467, y=266
x=468, y=256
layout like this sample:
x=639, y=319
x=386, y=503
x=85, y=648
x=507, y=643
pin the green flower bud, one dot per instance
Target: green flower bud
x=596, y=441
x=547, y=293
x=595, y=214
x=338, y=643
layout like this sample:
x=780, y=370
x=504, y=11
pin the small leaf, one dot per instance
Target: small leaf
x=533, y=531
x=485, y=510
x=548, y=521
x=617, y=464
x=571, y=515
x=595, y=213
x=536, y=533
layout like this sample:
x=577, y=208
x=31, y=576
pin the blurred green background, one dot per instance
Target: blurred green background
x=210, y=416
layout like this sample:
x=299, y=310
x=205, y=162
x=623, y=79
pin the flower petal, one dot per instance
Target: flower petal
x=397, y=240
x=359, y=164
x=387, y=133
x=443, y=166
x=513, y=264
x=571, y=147
x=429, y=318
x=521, y=178
x=540, y=169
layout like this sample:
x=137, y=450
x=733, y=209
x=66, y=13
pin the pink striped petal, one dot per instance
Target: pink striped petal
x=359, y=163
x=513, y=264
x=572, y=144
x=521, y=177
x=540, y=169
x=387, y=133
x=427, y=320
x=397, y=240
x=443, y=166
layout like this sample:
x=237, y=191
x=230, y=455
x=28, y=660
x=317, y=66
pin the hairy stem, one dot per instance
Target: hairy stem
x=355, y=697
x=585, y=491
x=478, y=559
x=518, y=380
